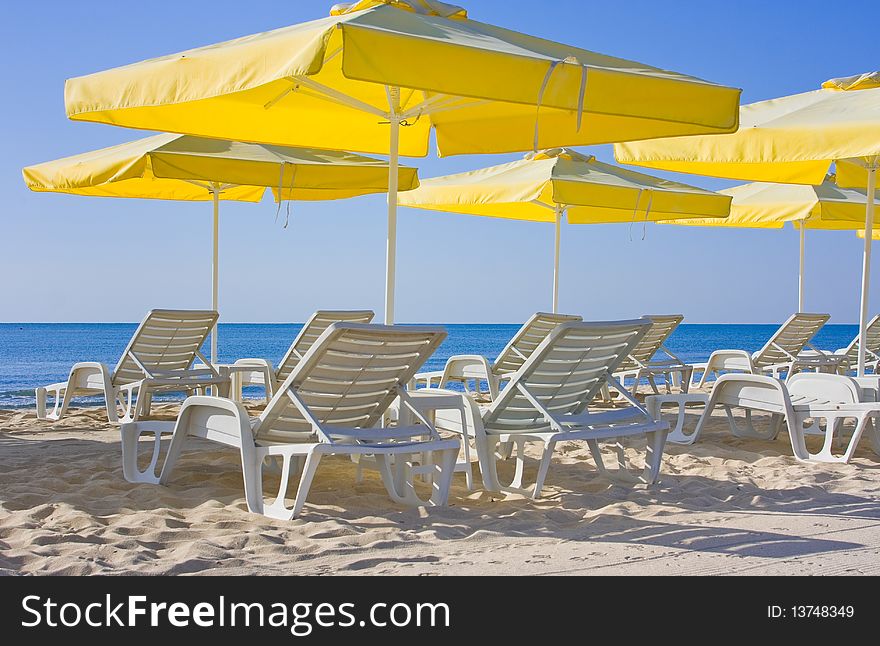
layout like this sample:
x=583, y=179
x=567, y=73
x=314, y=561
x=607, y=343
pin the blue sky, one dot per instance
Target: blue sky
x=70, y=258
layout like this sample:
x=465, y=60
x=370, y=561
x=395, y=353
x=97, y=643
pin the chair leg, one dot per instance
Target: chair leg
x=543, y=468
x=704, y=418
x=747, y=429
x=145, y=399
x=705, y=376
x=677, y=434
x=278, y=509
x=686, y=376
x=398, y=477
x=833, y=430
x=110, y=395
x=130, y=436
x=656, y=442
x=874, y=433
x=41, y=403
x=488, y=452
x=129, y=405
x=66, y=399
x=175, y=448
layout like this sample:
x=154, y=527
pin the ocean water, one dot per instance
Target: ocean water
x=35, y=354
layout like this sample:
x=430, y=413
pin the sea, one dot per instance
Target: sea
x=35, y=354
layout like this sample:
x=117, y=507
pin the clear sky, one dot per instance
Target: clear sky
x=71, y=258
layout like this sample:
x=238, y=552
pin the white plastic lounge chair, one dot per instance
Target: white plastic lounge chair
x=642, y=364
x=264, y=374
x=330, y=404
x=851, y=351
x=779, y=355
x=159, y=358
x=800, y=403
x=546, y=401
x=465, y=367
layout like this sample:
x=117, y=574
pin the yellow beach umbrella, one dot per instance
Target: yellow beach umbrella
x=175, y=167
x=763, y=205
x=552, y=184
x=353, y=79
x=792, y=139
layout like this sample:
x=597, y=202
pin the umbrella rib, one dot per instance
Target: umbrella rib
x=546, y=206
x=328, y=94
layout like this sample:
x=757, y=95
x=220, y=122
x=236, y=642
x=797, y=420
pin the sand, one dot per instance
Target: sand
x=724, y=506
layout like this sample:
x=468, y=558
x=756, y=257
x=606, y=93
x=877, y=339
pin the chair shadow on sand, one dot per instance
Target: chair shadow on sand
x=585, y=515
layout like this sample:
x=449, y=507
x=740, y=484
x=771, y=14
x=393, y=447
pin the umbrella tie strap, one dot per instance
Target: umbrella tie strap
x=553, y=65
x=647, y=212
x=583, y=91
x=281, y=192
x=636, y=211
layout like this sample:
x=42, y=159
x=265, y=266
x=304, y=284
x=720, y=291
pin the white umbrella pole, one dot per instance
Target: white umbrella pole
x=391, y=246
x=866, y=268
x=215, y=269
x=556, y=260
x=801, y=272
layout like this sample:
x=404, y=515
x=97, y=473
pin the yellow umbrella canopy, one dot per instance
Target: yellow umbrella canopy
x=351, y=80
x=323, y=84
x=763, y=205
x=792, y=139
x=552, y=184
x=186, y=168
x=767, y=205
x=179, y=167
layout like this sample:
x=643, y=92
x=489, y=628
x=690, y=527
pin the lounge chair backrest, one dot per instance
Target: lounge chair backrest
x=312, y=330
x=165, y=342
x=662, y=326
x=790, y=339
x=527, y=338
x=872, y=346
x=348, y=378
x=564, y=373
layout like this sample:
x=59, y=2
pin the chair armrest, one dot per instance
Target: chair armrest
x=254, y=372
x=731, y=360
x=254, y=363
x=458, y=366
x=217, y=419
x=470, y=365
x=89, y=374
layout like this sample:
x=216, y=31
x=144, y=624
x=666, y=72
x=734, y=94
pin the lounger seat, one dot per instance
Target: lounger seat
x=159, y=358
x=780, y=356
x=332, y=403
x=547, y=401
x=799, y=403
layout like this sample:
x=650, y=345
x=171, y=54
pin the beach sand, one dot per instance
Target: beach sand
x=724, y=506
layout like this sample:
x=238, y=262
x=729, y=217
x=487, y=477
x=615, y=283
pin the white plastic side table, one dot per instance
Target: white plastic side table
x=427, y=403
x=655, y=404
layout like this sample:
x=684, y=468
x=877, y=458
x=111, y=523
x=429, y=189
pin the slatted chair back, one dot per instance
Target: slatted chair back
x=662, y=327
x=347, y=380
x=527, y=338
x=563, y=374
x=164, y=345
x=872, y=347
x=310, y=333
x=790, y=339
